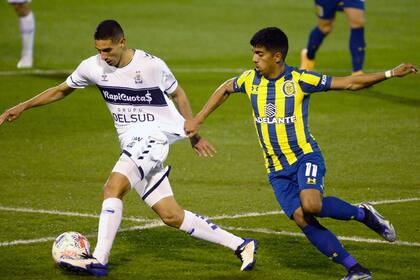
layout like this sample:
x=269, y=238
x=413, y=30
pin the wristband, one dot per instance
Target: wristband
x=389, y=74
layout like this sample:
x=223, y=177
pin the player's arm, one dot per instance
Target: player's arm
x=366, y=80
x=216, y=99
x=48, y=96
x=200, y=145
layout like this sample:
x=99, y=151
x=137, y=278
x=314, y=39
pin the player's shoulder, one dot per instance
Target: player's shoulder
x=147, y=57
x=91, y=62
x=247, y=74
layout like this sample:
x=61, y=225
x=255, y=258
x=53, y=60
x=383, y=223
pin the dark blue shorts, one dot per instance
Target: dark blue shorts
x=307, y=173
x=326, y=9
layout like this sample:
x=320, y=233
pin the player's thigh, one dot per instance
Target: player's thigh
x=286, y=191
x=355, y=12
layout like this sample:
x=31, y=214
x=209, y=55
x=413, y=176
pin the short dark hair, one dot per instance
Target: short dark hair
x=109, y=29
x=273, y=39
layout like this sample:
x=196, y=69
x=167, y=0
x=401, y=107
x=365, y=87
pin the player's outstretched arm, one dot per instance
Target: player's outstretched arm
x=216, y=99
x=366, y=80
x=48, y=96
x=200, y=145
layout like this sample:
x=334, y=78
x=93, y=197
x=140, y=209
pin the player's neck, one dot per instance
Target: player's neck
x=126, y=58
x=277, y=71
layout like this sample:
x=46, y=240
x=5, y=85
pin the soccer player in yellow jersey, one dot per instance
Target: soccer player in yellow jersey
x=280, y=95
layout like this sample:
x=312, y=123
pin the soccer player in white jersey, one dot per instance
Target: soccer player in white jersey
x=138, y=89
x=27, y=31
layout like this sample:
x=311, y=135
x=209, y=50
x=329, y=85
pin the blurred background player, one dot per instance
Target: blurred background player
x=326, y=9
x=27, y=31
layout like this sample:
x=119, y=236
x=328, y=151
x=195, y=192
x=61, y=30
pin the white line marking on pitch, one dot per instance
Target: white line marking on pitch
x=158, y=223
x=153, y=224
x=74, y=214
x=346, y=238
x=218, y=217
x=52, y=72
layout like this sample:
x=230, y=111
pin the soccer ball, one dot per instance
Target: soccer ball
x=70, y=245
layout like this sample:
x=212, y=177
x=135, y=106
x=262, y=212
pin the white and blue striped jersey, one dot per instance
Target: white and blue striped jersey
x=137, y=94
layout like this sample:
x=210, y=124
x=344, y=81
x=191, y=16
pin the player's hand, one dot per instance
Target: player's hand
x=404, y=69
x=11, y=114
x=202, y=147
x=191, y=127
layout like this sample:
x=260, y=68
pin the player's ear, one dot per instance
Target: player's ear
x=122, y=42
x=278, y=57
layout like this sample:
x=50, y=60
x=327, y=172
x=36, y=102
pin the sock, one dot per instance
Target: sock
x=333, y=207
x=27, y=31
x=327, y=243
x=202, y=228
x=357, y=48
x=315, y=40
x=109, y=222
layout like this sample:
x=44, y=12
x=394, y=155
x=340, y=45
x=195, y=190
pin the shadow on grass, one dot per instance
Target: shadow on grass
x=372, y=93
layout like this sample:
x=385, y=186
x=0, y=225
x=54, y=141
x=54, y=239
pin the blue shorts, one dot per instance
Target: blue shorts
x=307, y=173
x=325, y=9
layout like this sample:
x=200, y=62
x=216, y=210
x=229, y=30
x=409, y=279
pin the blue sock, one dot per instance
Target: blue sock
x=327, y=243
x=333, y=207
x=315, y=40
x=357, y=48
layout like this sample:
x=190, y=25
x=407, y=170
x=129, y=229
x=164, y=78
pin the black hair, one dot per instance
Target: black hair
x=109, y=29
x=273, y=39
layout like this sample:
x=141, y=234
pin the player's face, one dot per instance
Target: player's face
x=266, y=62
x=110, y=51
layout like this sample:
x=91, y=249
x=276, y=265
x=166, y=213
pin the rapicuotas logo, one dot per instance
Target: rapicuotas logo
x=127, y=98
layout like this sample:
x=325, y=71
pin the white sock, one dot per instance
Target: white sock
x=203, y=228
x=109, y=222
x=27, y=30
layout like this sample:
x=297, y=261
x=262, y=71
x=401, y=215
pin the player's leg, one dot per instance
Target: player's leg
x=27, y=30
x=115, y=188
x=144, y=157
x=355, y=12
x=310, y=176
x=328, y=244
x=158, y=194
x=325, y=10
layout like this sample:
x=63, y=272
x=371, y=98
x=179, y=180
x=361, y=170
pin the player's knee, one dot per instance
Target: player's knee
x=325, y=28
x=299, y=218
x=358, y=22
x=311, y=206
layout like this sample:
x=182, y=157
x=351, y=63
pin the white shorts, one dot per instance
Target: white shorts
x=142, y=163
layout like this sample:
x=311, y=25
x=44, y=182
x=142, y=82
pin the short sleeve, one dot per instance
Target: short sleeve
x=239, y=82
x=311, y=82
x=80, y=77
x=168, y=80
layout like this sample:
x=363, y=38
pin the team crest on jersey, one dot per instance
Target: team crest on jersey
x=289, y=88
x=270, y=110
x=137, y=78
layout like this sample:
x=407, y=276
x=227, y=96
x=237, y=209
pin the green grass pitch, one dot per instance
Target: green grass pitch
x=58, y=157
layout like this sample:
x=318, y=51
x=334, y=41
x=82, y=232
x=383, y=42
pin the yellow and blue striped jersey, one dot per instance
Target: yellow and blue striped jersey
x=280, y=109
